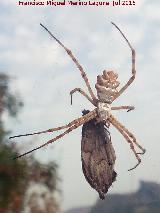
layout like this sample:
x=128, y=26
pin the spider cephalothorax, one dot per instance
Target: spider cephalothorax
x=106, y=86
x=98, y=160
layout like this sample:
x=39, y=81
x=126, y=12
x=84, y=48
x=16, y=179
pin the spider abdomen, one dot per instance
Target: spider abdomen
x=106, y=86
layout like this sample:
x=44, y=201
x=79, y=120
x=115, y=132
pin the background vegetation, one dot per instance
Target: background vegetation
x=18, y=178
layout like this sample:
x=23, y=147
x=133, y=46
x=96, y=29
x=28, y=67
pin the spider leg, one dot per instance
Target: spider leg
x=131, y=146
x=87, y=118
x=69, y=52
x=113, y=119
x=123, y=131
x=83, y=93
x=133, y=65
x=129, y=108
x=78, y=120
x=129, y=141
x=134, y=141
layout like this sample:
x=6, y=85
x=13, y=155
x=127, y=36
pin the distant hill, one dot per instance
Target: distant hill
x=79, y=210
x=145, y=200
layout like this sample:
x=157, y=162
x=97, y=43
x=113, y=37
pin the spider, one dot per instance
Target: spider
x=107, y=87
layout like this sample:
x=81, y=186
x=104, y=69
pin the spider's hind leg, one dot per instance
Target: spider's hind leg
x=69, y=52
x=131, y=79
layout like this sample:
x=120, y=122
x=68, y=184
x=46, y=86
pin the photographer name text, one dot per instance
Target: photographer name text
x=113, y=3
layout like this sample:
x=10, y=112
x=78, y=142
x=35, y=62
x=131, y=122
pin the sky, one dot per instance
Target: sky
x=42, y=74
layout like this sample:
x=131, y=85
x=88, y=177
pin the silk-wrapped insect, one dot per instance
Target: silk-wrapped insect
x=97, y=154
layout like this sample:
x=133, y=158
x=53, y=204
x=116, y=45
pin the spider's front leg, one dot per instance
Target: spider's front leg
x=131, y=145
x=116, y=123
x=134, y=140
x=72, y=125
x=128, y=136
x=82, y=93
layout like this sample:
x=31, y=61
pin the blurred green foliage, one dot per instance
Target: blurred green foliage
x=8, y=102
x=17, y=175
